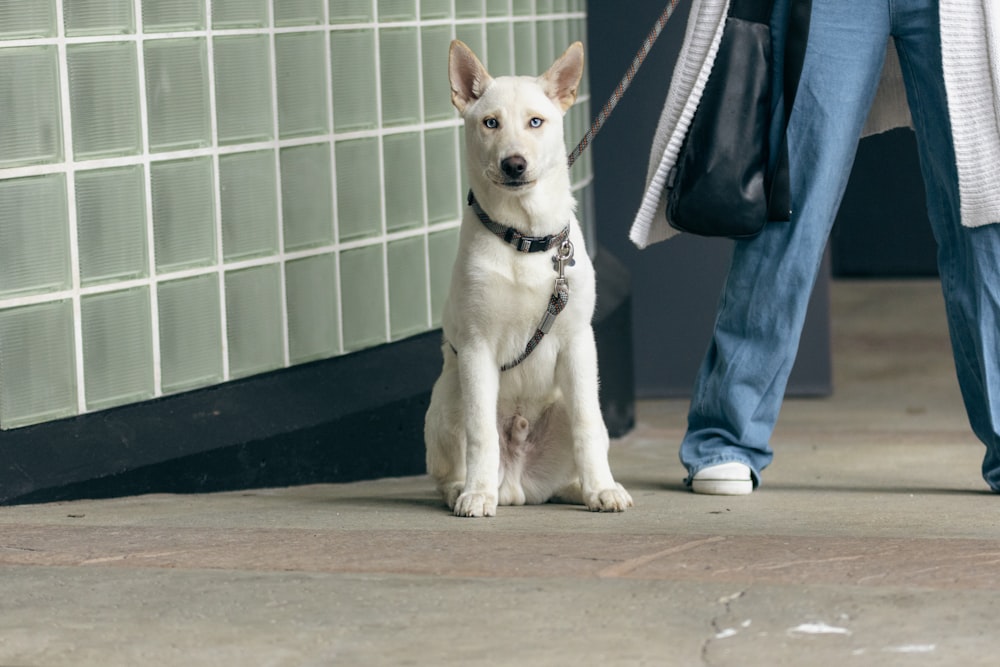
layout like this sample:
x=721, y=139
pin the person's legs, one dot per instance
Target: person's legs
x=968, y=259
x=741, y=383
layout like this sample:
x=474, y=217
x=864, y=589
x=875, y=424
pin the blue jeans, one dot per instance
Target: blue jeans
x=741, y=383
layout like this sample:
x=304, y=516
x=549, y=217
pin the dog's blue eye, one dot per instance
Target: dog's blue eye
x=536, y=122
x=491, y=123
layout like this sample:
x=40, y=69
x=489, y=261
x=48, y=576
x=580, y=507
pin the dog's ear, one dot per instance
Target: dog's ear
x=469, y=79
x=562, y=81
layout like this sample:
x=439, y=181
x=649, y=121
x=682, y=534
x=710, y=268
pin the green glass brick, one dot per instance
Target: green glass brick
x=243, y=102
x=111, y=224
x=27, y=18
x=543, y=6
x=249, y=201
x=441, y=155
x=472, y=35
x=499, y=59
x=442, y=248
x=587, y=216
x=306, y=196
x=525, y=60
x=545, y=49
x=571, y=123
x=351, y=11
x=434, y=42
x=190, y=333
x=358, y=191
x=240, y=13
x=560, y=38
x=98, y=17
x=578, y=32
x=302, y=84
x=400, y=56
x=177, y=98
x=469, y=8
x=298, y=12
x=34, y=235
x=362, y=280
x=397, y=10
x=254, y=323
x=312, y=303
x=104, y=97
x=173, y=15
x=435, y=9
x=37, y=364
x=577, y=123
x=407, y=260
x=352, y=56
x=117, y=348
x=497, y=7
x=404, y=185
x=462, y=170
x=523, y=7
x=30, y=130
x=183, y=213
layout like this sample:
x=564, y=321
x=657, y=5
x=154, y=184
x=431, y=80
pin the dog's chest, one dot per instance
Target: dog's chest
x=516, y=287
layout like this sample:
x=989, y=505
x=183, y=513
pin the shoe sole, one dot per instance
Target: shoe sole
x=722, y=487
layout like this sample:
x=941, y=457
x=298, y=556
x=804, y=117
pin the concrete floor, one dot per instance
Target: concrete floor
x=873, y=541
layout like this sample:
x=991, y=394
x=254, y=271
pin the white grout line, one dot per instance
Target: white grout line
x=276, y=134
x=71, y=212
x=331, y=125
x=213, y=152
x=428, y=287
x=143, y=160
x=387, y=305
x=146, y=157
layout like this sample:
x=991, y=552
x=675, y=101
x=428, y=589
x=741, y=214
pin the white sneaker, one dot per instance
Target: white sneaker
x=725, y=479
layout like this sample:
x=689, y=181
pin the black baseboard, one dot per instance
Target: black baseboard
x=359, y=416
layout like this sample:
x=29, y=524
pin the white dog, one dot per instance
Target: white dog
x=514, y=417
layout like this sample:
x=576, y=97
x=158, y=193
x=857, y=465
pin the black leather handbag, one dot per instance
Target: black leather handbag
x=721, y=185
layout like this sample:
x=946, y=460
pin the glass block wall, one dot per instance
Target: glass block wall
x=194, y=191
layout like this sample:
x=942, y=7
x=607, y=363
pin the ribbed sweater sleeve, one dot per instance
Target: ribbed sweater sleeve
x=704, y=32
x=970, y=43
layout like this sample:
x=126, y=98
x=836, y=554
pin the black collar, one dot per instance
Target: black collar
x=515, y=238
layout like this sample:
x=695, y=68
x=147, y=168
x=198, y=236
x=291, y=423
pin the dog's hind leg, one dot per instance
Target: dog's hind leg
x=571, y=494
x=576, y=374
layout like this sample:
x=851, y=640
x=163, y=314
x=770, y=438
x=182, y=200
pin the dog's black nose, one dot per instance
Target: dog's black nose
x=514, y=166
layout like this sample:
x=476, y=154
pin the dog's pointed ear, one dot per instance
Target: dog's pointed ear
x=562, y=81
x=469, y=79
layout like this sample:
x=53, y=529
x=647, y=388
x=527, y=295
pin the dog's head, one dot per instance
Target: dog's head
x=514, y=129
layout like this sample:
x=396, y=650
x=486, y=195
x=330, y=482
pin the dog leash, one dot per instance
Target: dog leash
x=626, y=81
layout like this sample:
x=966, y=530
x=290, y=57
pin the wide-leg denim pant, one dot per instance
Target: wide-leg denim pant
x=741, y=383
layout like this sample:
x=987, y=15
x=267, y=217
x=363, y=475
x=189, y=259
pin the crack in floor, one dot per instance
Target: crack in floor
x=719, y=632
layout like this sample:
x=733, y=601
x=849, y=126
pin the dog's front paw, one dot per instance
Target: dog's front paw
x=476, y=504
x=616, y=499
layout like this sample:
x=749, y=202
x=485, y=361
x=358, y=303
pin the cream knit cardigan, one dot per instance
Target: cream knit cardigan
x=970, y=42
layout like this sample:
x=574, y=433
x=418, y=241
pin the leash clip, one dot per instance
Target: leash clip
x=563, y=256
